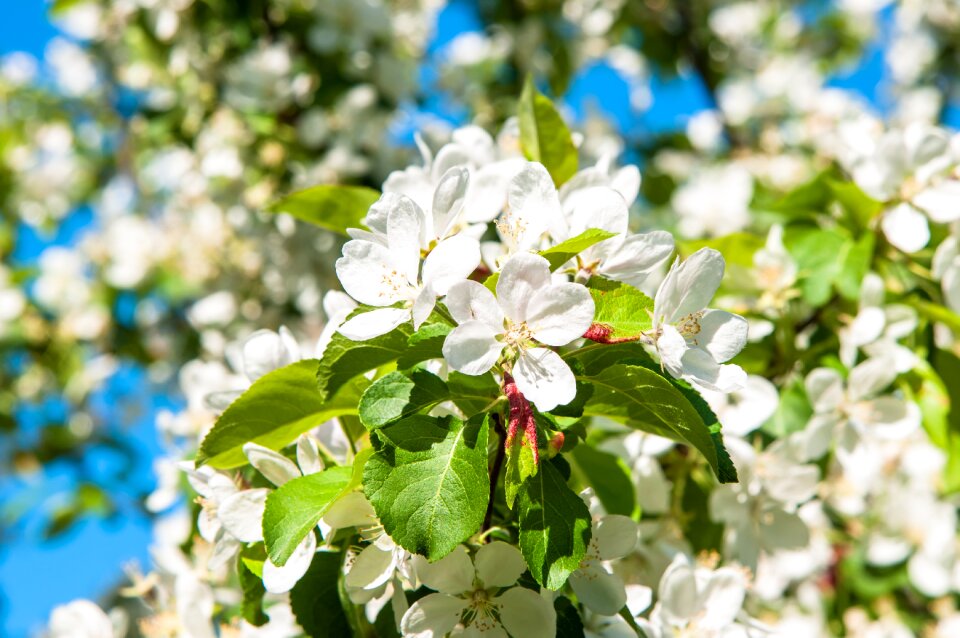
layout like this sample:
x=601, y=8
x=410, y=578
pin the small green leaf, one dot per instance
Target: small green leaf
x=424, y=344
x=566, y=250
x=315, y=599
x=344, y=359
x=251, y=585
x=856, y=261
x=554, y=527
x=399, y=395
x=861, y=206
x=275, y=410
x=518, y=467
x=472, y=393
x=738, y=248
x=621, y=309
x=609, y=477
x=430, y=483
x=544, y=137
x=331, y=206
x=816, y=252
x=295, y=508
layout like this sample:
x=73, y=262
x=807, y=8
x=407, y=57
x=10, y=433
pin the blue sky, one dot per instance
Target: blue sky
x=87, y=561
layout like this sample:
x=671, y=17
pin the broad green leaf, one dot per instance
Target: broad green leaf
x=622, y=311
x=275, y=410
x=251, y=585
x=792, y=414
x=737, y=248
x=424, y=344
x=641, y=398
x=856, y=261
x=399, y=395
x=861, y=206
x=554, y=527
x=472, y=394
x=295, y=508
x=816, y=252
x=566, y=250
x=331, y=206
x=544, y=137
x=315, y=599
x=608, y=476
x=430, y=483
x=344, y=359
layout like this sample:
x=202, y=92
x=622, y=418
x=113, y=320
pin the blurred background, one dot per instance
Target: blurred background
x=140, y=139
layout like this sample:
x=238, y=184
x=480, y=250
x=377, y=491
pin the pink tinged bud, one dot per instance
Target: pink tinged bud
x=521, y=416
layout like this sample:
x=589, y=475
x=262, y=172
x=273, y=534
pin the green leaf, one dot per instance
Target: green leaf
x=295, y=508
x=331, y=206
x=554, y=527
x=793, y=412
x=643, y=399
x=544, y=137
x=737, y=248
x=472, y=393
x=816, y=252
x=861, y=206
x=621, y=309
x=344, y=359
x=315, y=599
x=566, y=250
x=424, y=344
x=938, y=313
x=251, y=608
x=855, y=262
x=518, y=467
x=609, y=477
x=569, y=624
x=278, y=407
x=399, y=395
x=430, y=483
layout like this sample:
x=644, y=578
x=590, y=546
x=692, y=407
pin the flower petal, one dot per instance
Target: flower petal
x=724, y=596
x=373, y=567
x=448, y=199
x=689, y=286
x=432, y=616
x=636, y=257
x=616, y=536
x=544, y=378
x=906, y=228
x=940, y=201
x=525, y=613
x=242, y=512
x=596, y=207
x=274, y=466
x=870, y=377
x=365, y=272
x=423, y=305
x=522, y=276
x=279, y=580
x=598, y=589
x=534, y=206
x=308, y=455
x=452, y=574
x=468, y=301
x=722, y=334
x=499, y=564
x=368, y=325
x=824, y=389
x=450, y=261
x=472, y=348
x=560, y=313
x=350, y=510
x=265, y=351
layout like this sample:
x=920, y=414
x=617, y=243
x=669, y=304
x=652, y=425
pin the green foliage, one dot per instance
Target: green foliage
x=816, y=252
x=275, y=410
x=609, y=477
x=251, y=608
x=566, y=250
x=429, y=482
x=331, y=206
x=315, y=599
x=399, y=395
x=344, y=359
x=295, y=508
x=518, y=466
x=544, y=137
x=554, y=527
x=620, y=308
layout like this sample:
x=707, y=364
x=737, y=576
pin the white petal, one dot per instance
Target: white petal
x=724, y=598
x=824, y=389
x=448, y=199
x=870, y=377
x=524, y=612
x=678, y=595
x=241, y=514
x=598, y=589
x=637, y=256
x=487, y=192
x=433, y=616
x=308, y=455
x=941, y=201
x=365, y=272
x=450, y=261
x=700, y=368
x=372, y=324
x=560, y=313
x=79, y=619
x=274, y=466
x=722, y=334
x=372, y=568
x=404, y=230
x=452, y=574
x=499, y=564
x=423, y=306
x=889, y=418
x=350, y=510
x=468, y=301
x=522, y=276
x=533, y=201
x=616, y=536
x=472, y=348
x=689, y=286
x=639, y=598
x=279, y=580
x=265, y=351
x=544, y=378
x=906, y=228
x=596, y=207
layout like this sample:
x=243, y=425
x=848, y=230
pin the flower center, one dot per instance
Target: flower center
x=394, y=284
x=511, y=227
x=689, y=326
x=481, y=611
x=518, y=335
